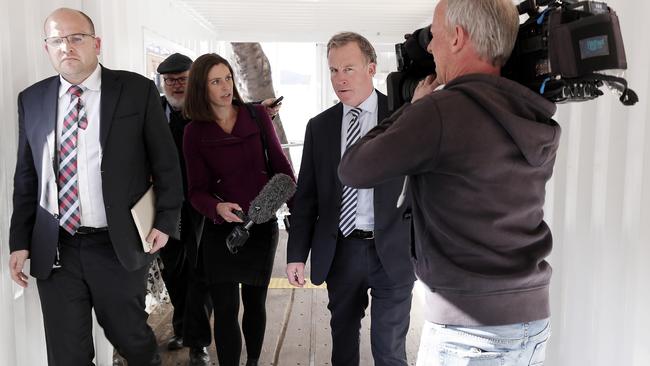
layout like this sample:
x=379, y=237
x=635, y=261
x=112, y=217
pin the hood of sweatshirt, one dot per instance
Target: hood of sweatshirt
x=524, y=114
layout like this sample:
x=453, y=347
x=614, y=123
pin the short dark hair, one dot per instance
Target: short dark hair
x=197, y=102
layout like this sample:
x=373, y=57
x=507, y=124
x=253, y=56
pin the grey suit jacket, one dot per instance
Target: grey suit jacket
x=137, y=148
x=317, y=203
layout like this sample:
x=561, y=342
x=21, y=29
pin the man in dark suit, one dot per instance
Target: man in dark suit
x=357, y=238
x=182, y=271
x=90, y=142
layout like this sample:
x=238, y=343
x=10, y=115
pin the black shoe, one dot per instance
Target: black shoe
x=175, y=343
x=252, y=362
x=199, y=356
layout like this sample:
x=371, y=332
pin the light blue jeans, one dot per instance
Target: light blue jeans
x=521, y=344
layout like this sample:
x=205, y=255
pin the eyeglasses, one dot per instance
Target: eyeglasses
x=172, y=81
x=76, y=39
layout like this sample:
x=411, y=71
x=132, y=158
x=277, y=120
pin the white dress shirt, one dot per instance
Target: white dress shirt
x=365, y=218
x=89, y=151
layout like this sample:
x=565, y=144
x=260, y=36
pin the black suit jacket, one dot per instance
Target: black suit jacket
x=137, y=148
x=317, y=204
x=191, y=220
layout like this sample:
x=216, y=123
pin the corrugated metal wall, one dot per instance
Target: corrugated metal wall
x=22, y=62
x=598, y=206
x=21, y=323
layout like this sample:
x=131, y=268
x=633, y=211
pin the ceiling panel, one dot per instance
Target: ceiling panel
x=310, y=20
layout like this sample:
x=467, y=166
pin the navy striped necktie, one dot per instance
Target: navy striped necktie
x=348, y=216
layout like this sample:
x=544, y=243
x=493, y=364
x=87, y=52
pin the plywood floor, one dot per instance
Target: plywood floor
x=298, y=330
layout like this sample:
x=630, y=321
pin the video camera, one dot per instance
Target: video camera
x=566, y=52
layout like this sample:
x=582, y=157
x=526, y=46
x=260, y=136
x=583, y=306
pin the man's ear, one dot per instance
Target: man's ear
x=372, y=68
x=98, y=45
x=459, y=39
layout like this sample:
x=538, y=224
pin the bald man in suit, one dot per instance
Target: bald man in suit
x=90, y=143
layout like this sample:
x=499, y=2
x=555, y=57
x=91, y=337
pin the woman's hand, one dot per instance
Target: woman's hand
x=225, y=210
x=271, y=111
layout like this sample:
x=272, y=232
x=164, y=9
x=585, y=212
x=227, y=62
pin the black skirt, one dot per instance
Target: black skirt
x=252, y=265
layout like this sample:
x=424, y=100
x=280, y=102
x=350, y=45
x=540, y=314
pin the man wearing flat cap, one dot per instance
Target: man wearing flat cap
x=182, y=277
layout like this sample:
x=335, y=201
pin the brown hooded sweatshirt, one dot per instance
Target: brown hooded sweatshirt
x=478, y=155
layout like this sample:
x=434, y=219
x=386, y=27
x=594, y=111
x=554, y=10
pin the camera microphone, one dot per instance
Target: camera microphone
x=273, y=195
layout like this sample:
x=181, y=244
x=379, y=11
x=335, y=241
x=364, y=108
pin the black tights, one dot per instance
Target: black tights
x=227, y=335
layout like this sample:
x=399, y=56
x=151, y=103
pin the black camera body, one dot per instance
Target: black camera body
x=414, y=63
x=560, y=52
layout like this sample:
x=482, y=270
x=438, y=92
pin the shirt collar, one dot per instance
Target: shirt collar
x=368, y=105
x=92, y=82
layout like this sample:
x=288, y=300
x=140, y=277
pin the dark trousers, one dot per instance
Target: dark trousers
x=187, y=293
x=227, y=333
x=196, y=319
x=355, y=270
x=92, y=277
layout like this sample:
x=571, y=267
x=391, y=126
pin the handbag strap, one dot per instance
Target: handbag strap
x=265, y=146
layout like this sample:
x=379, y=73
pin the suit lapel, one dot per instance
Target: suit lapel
x=49, y=109
x=382, y=111
x=334, y=141
x=111, y=89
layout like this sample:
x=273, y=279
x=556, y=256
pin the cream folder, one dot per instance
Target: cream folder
x=144, y=214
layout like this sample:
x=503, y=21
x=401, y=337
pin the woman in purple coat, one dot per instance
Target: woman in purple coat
x=226, y=169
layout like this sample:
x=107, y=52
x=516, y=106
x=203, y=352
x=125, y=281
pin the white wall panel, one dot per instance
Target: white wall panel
x=598, y=202
x=121, y=24
x=22, y=62
x=600, y=216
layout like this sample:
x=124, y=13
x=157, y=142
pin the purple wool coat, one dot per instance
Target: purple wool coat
x=224, y=167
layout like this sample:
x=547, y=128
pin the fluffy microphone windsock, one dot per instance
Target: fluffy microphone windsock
x=275, y=193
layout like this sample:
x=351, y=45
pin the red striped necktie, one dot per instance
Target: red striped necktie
x=69, y=205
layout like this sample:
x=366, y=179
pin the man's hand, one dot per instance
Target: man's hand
x=426, y=86
x=271, y=111
x=16, y=263
x=296, y=274
x=158, y=239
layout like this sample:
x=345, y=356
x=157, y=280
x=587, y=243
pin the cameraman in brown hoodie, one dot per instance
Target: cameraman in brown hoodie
x=478, y=150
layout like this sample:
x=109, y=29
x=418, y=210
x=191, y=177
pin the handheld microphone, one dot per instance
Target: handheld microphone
x=273, y=195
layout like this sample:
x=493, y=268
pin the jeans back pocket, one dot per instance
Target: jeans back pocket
x=539, y=354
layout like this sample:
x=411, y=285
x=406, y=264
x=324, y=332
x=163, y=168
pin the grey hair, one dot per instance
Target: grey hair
x=343, y=38
x=492, y=26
